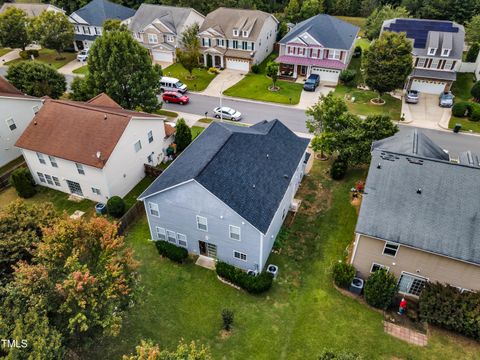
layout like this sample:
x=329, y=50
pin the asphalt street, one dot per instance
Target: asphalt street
x=254, y=112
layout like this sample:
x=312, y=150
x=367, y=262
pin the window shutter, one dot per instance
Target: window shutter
x=341, y=55
x=416, y=61
x=326, y=54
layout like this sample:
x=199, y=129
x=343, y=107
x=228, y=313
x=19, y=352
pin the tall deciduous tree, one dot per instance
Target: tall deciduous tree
x=292, y=11
x=189, y=54
x=120, y=67
x=147, y=350
x=388, y=62
x=472, y=30
x=69, y=5
x=311, y=8
x=13, y=28
x=379, y=15
x=183, y=135
x=114, y=25
x=52, y=30
x=272, y=72
x=37, y=79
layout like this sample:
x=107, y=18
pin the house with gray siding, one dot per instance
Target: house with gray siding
x=227, y=195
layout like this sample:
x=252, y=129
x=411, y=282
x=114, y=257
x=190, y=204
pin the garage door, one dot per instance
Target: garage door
x=162, y=56
x=428, y=86
x=242, y=65
x=328, y=75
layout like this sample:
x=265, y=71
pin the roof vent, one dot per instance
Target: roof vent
x=268, y=156
x=35, y=122
x=285, y=176
x=379, y=166
x=99, y=155
x=419, y=190
x=105, y=117
x=254, y=186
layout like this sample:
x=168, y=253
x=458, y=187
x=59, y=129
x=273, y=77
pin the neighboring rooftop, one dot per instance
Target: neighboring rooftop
x=224, y=20
x=76, y=131
x=97, y=11
x=425, y=203
x=172, y=17
x=469, y=158
x=412, y=142
x=8, y=90
x=435, y=34
x=327, y=30
x=248, y=168
x=32, y=10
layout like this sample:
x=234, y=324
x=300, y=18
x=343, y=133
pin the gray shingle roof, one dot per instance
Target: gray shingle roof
x=329, y=31
x=97, y=11
x=469, y=158
x=412, y=143
x=171, y=16
x=444, y=218
x=248, y=168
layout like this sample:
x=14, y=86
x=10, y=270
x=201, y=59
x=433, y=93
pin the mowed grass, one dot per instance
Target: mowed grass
x=131, y=197
x=4, y=51
x=301, y=315
x=467, y=125
x=255, y=87
x=81, y=70
x=49, y=57
x=201, y=77
x=196, y=130
x=462, y=86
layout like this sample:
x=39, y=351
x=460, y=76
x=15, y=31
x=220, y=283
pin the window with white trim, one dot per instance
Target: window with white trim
x=138, y=146
x=161, y=234
x=96, y=191
x=170, y=38
x=445, y=52
x=411, y=284
x=150, y=159
x=53, y=161
x=235, y=32
x=376, y=267
x=80, y=169
x=153, y=209
x=202, y=223
x=234, y=232
x=11, y=124
x=152, y=38
x=171, y=237
x=390, y=249
x=448, y=64
x=150, y=136
x=182, y=239
x=56, y=181
x=49, y=179
x=41, y=159
x=239, y=255
x=434, y=63
x=41, y=177
x=245, y=33
x=334, y=54
x=432, y=51
x=421, y=62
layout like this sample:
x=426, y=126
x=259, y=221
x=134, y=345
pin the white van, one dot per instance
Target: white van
x=172, y=84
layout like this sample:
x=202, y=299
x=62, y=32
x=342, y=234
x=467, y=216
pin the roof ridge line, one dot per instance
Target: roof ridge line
x=91, y=107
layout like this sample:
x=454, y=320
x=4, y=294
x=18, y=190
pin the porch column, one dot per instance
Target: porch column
x=205, y=59
x=221, y=62
x=295, y=71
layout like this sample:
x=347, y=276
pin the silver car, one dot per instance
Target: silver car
x=227, y=113
x=412, y=97
x=446, y=99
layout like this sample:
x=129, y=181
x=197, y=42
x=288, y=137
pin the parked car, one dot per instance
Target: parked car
x=227, y=113
x=82, y=55
x=312, y=82
x=175, y=97
x=172, y=84
x=446, y=99
x=412, y=97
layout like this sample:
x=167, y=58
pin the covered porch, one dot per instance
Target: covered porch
x=293, y=67
x=211, y=59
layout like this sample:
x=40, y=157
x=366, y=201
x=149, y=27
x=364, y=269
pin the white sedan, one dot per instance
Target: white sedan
x=227, y=113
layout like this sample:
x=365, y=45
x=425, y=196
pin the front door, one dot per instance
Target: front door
x=75, y=188
x=207, y=249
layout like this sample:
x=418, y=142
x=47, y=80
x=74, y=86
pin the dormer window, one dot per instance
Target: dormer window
x=245, y=33
x=432, y=51
x=445, y=52
x=235, y=32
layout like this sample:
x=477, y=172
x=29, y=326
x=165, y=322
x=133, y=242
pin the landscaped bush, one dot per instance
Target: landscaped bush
x=475, y=112
x=461, y=109
x=255, y=69
x=348, y=77
x=27, y=54
x=380, y=288
x=338, y=169
x=213, y=70
x=173, y=252
x=358, y=51
x=475, y=91
x=447, y=307
x=343, y=274
x=227, y=319
x=472, y=53
x=22, y=181
x=116, y=206
x=253, y=284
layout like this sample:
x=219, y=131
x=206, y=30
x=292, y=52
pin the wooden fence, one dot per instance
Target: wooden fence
x=131, y=217
x=152, y=170
x=5, y=177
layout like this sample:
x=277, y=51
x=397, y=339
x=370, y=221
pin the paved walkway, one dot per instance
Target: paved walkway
x=205, y=262
x=67, y=69
x=227, y=78
x=12, y=55
x=405, y=334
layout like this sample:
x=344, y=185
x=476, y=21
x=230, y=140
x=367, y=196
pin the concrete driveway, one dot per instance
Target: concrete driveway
x=310, y=98
x=72, y=65
x=223, y=81
x=426, y=114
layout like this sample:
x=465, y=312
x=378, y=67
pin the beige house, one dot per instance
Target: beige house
x=32, y=10
x=420, y=216
x=237, y=38
x=159, y=28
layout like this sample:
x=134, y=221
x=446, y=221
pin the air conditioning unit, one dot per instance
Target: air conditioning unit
x=252, y=272
x=273, y=269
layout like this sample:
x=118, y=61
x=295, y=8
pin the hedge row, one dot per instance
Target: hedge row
x=173, y=252
x=467, y=109
x=445, y=306
x=252, y=284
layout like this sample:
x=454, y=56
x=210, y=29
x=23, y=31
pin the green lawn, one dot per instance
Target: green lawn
x=461, y=88
x=301, y=315
x=201, y=76
x=196, y=130
x=166, y=113
x=4, y=51
x=467, y=125
x=81, y=70
x=131, y=197
x=48, y=56
x=255, y=87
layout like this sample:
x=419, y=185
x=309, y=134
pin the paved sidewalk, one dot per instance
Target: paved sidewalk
x=227, y=78
x=405, y=334
x=72, y=65
x=12, y=55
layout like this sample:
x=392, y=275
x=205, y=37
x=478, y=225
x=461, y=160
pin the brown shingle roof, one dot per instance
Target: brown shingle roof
x=76, y=131
x=104, y=100
x=7, y=89
x=169, y=130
